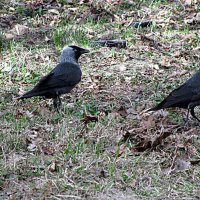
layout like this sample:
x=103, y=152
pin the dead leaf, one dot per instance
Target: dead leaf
x=47, y=150
x=47, y=39
x=149, y=123
x=89, y=118
x=194, y=162
x=113, y=115
x=122, y=68
x=115, y=2
x=122, y=111
x=163, y=62
x=54, y=11
x=101, y=173
x=194, y=20
x=43, y=110
x=29, y=114
x=131, y=111
x=190, y=2
x=142, y=146
x=21, y=29
x=14, y=158
x=52, y=167
x=117, y=151
x=126, y=136
x=197, y=194
x=159, y=139
x=149, y=143
x=177, y=54
x=32, y=147
x=188, y=36
x=9, y=36
x=70, y=105
x=182, y=164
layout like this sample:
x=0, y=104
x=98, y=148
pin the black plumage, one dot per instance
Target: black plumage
x=186, y=96
x=62, y=79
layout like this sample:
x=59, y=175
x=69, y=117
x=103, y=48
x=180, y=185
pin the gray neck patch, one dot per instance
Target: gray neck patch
x=68, y=55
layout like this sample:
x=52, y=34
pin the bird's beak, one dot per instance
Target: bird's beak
x=84, y=51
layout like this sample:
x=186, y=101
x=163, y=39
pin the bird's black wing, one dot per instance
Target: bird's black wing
x=45, y=79
x=65, y=74
x=59, y=81
x=183, y=95
x=189, y=91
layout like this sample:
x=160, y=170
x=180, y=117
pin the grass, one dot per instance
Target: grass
x=69, y=34
x=44, y=154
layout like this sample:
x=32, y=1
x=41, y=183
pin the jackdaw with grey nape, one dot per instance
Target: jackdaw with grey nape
x=62, y=79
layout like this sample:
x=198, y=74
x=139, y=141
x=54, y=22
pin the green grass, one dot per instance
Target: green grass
x=69, y=34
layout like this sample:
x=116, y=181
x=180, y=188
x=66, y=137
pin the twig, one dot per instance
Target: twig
x=111, y=43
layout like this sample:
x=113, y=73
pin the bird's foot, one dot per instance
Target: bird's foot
x=57, y=104
x=186, y=124
x=57, y=109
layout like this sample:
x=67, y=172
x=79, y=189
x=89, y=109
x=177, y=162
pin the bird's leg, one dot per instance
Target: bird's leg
x=187, y=118
x=57, y=103
x=191, y=107
x=188, y=112
x=193, y=114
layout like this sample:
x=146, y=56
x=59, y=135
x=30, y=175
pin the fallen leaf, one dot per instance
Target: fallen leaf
x=149, y=143
x=122, y=111
x=14, y=158
x=29, y=114
x=89, y=118
x=47, y=39
x=163, y=63
x=52, y=167
x=54, y=11
x=122, y=68
x=188, y=2
x=32, y=147
x=21, y=29
x=182, y=164
x=188, y=36
x=9, y=36
x=101, y=173
x=113, y=115
x=177, y=54
x=195, y=20
x=149, y=123
x=195, y=161
x=47, y=150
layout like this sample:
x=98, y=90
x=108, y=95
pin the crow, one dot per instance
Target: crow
x=62, y=79
x=186, y=96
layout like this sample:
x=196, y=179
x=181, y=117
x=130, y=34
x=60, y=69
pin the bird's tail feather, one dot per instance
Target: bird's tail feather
x=162, y=105
x=29, y=94
x=155, y=108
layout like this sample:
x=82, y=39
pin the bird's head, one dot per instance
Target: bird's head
x=72, y=53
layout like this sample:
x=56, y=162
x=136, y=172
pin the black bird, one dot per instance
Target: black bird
x=62, y=79
x=186, y=96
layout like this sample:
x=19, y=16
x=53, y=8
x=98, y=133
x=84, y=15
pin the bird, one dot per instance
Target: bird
x=186, y=96
x=62, y=79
